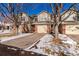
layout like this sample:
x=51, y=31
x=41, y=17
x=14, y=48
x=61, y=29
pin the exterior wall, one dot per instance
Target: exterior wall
x=72, y=29
x=44, y=16
x=49, y=29
x=25, y=17
x=64, y=28
x=68, y=25
x=25, y=20
x=43, y=28
x=20, y=29
x=5, y=26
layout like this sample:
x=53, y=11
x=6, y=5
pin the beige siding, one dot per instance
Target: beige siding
x=72, y=29
x=44, y=17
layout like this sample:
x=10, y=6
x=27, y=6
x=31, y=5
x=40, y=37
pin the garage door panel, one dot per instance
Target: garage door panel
x=41, y=28
x=72, y=29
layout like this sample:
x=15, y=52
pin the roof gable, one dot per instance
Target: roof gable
x=43, y=12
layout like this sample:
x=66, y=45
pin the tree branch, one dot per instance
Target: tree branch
x=5, y=14
x=66, y=17
x=68, y=9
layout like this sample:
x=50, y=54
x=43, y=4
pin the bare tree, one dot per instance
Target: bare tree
x=56, y=11
x=12, y=10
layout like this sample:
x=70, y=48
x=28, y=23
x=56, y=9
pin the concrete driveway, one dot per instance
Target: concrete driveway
x=24, y=42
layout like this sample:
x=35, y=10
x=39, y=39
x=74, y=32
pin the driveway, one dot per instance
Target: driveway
x=24, y=42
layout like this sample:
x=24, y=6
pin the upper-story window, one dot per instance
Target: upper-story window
x=44, y=17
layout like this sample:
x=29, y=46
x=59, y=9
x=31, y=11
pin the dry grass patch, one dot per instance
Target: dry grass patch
x=7, y=35
x=56, y=41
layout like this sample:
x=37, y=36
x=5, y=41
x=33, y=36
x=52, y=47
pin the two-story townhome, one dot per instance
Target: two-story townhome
x=25, y=25
x=5, y=25
x=43, y=23
x=71, y=24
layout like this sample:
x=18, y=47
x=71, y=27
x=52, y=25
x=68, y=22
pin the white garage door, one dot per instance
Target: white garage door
x=72, y=29
x=41, y=28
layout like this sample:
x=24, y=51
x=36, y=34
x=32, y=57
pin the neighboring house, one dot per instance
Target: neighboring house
x=71, y=24
x=43, y=22
x=25, y=23
x=5, y=26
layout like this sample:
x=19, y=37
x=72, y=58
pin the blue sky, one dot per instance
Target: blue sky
x=35, y=8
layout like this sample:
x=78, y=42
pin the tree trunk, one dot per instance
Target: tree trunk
x=29, y=27
x=15, y=29
x=56, y=39
x=56, y=31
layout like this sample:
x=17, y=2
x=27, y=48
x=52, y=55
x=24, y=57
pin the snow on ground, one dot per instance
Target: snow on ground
x=68, y=46
x=5, y=31
x=14, y=37
x=41, y=44
x=66, y=39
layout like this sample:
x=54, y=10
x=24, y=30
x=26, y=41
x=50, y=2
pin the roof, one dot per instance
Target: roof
x=24, y=13
x=70, y=23
x=73, y=15
x=72, y=9
x=42, y=23
x=43, y=11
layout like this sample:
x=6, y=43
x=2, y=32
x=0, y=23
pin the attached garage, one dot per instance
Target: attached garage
x=43, y=28
x=72, y=29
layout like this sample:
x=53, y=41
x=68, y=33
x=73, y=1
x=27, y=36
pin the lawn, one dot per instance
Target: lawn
x=7, y=35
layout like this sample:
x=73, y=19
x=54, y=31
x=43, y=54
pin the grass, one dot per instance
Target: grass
x=7, y=35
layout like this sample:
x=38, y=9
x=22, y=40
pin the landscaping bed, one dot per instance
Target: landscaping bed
x=67, y=47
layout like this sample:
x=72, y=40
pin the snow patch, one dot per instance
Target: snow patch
x=68, y=46
x=66, y=39
x=5, y=31
x=43, y=43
